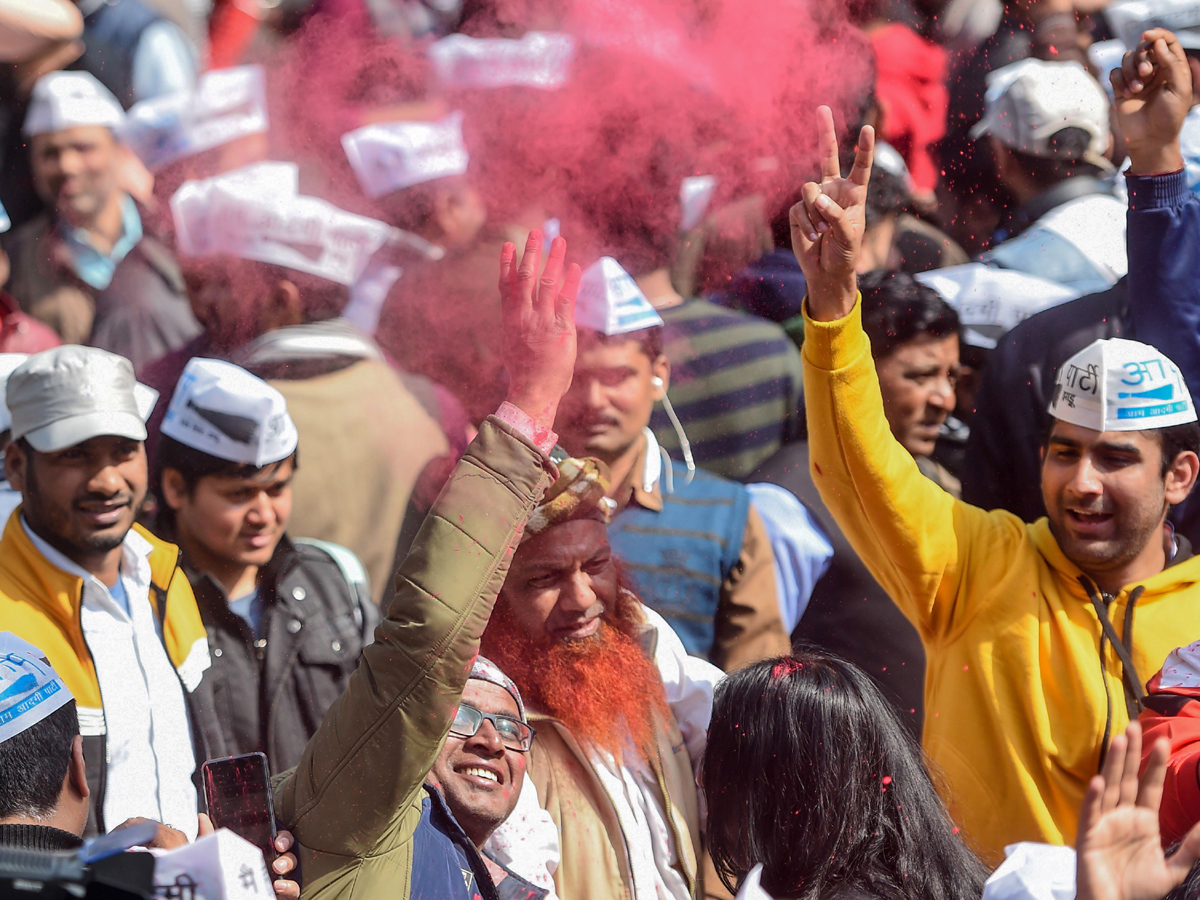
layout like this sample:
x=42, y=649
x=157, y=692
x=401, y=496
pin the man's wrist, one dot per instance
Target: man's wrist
x=519, y=412
x=1156, y=161
x=828, y=301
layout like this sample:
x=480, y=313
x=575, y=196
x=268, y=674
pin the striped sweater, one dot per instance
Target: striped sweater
x=736, y=385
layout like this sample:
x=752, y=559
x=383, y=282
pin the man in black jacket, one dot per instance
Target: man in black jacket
x=286, y=620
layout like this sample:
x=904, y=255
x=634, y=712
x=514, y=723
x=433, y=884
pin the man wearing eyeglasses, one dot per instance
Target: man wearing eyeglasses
x=474, y=786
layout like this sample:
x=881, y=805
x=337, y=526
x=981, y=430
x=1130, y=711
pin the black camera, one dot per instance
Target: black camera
x=40, y=875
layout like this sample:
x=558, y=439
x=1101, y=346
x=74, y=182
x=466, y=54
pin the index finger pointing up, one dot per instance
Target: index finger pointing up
x=831, y=166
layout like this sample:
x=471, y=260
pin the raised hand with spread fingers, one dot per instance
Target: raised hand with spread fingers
x=539, y=326
x=828, y=223
x=1118, y=845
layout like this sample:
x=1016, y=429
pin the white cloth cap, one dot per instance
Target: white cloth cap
x=30, y=689
x=8, y=364
x=219, y=866
x=990, y=302
x=1129, y=18
x=610, y=302
x=695, y=193
x=63, y=100
x=889, y=159
x=1031, y=100
x=391, y=156
x=225, y=105
x=257, y=213
x=222, y=410
x=5, y=221
x=1033, y=872
x=1120, y=385
x=66, y=395
x=539, y=60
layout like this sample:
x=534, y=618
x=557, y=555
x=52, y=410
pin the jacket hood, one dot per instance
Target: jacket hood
x=1171, y=579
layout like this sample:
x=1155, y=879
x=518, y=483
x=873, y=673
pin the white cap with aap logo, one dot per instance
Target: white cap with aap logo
x=1120, y=385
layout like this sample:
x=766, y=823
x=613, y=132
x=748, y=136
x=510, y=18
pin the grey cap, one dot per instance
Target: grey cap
x=65, y=396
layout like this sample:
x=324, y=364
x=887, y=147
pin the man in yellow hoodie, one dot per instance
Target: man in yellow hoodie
x=1038, y=636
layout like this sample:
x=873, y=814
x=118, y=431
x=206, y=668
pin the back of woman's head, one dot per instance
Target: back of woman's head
x=809, y=772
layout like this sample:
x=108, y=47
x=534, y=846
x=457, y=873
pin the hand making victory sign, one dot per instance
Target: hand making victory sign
x=828, y=223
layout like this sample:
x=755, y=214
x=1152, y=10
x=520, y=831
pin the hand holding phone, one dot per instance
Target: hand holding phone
x=238, y=792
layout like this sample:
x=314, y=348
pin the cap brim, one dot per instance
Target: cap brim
x=75, y=430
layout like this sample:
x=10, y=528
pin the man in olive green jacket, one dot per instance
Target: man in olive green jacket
x=354, y=800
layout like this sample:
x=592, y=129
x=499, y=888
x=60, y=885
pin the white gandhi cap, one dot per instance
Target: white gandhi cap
x=62, y=397
x=391, y=156
x=222, y=410
x=30, y=689
x=63, y=100
x=610, y=302
x=1120, y=385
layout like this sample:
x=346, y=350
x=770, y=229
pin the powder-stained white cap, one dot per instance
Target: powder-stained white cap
x=990, y=301
x=539, y=60
x=30, y=689
x=257, y=213
x=63, y=100
x=66, y=395
x=30, y=27
x=390, y=156
x=1031, y=100
x=695, y=193
x=1129, y=18
x=225, y=105
x=222, y=410
x=610, y=302
x=1120, y=385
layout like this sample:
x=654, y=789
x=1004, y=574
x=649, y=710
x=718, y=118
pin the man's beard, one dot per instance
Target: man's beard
x=604, y=688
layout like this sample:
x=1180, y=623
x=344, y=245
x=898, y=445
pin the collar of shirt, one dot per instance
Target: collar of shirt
x=632, y=490
x=135, y=568
x=93, y=267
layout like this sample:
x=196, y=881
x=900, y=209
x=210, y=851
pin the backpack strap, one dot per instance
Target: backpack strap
x=366, y=615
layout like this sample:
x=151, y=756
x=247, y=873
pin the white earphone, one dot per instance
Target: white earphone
x=656, y=381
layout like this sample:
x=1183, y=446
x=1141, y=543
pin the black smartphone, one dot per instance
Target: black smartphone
x=238, y=792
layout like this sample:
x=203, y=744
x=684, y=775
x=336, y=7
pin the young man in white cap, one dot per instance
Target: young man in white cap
x=85, y=267
x=1048, y=127
x=697, y=549
x=1038, y=637
x=99, y=594
x=286, y=620
x=417, y=173
x=271, y=269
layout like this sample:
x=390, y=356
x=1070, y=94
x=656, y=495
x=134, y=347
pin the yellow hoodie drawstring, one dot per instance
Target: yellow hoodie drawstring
x=1131, y=681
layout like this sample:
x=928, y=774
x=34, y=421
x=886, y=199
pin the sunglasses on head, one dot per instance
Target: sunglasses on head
x=514, y=734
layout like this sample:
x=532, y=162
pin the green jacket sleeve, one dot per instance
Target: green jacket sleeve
x=352, y=794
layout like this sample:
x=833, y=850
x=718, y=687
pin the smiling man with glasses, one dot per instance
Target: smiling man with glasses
x=474, y=786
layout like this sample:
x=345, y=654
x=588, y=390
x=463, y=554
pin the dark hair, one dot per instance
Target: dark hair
x=1066, y=148
x=896, y=309
x=649, y=339
x=193, y=465
x=1174, y=440
x=809, y=771
x=34, y=763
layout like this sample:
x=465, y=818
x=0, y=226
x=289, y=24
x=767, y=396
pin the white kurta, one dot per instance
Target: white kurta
x=148, y=736
x=633, y=790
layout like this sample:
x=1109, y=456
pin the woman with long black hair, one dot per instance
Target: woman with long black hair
x=809, y=772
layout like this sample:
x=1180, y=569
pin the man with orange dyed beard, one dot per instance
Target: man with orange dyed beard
x=620, y=709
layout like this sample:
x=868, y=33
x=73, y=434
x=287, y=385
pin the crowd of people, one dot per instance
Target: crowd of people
x=601, y=451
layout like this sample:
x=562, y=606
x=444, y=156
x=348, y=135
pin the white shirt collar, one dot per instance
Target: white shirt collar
x=135, y=565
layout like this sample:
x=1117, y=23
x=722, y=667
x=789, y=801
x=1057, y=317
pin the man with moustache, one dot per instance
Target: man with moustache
x=620, y=709
x=697, y=550
x=101, y=596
